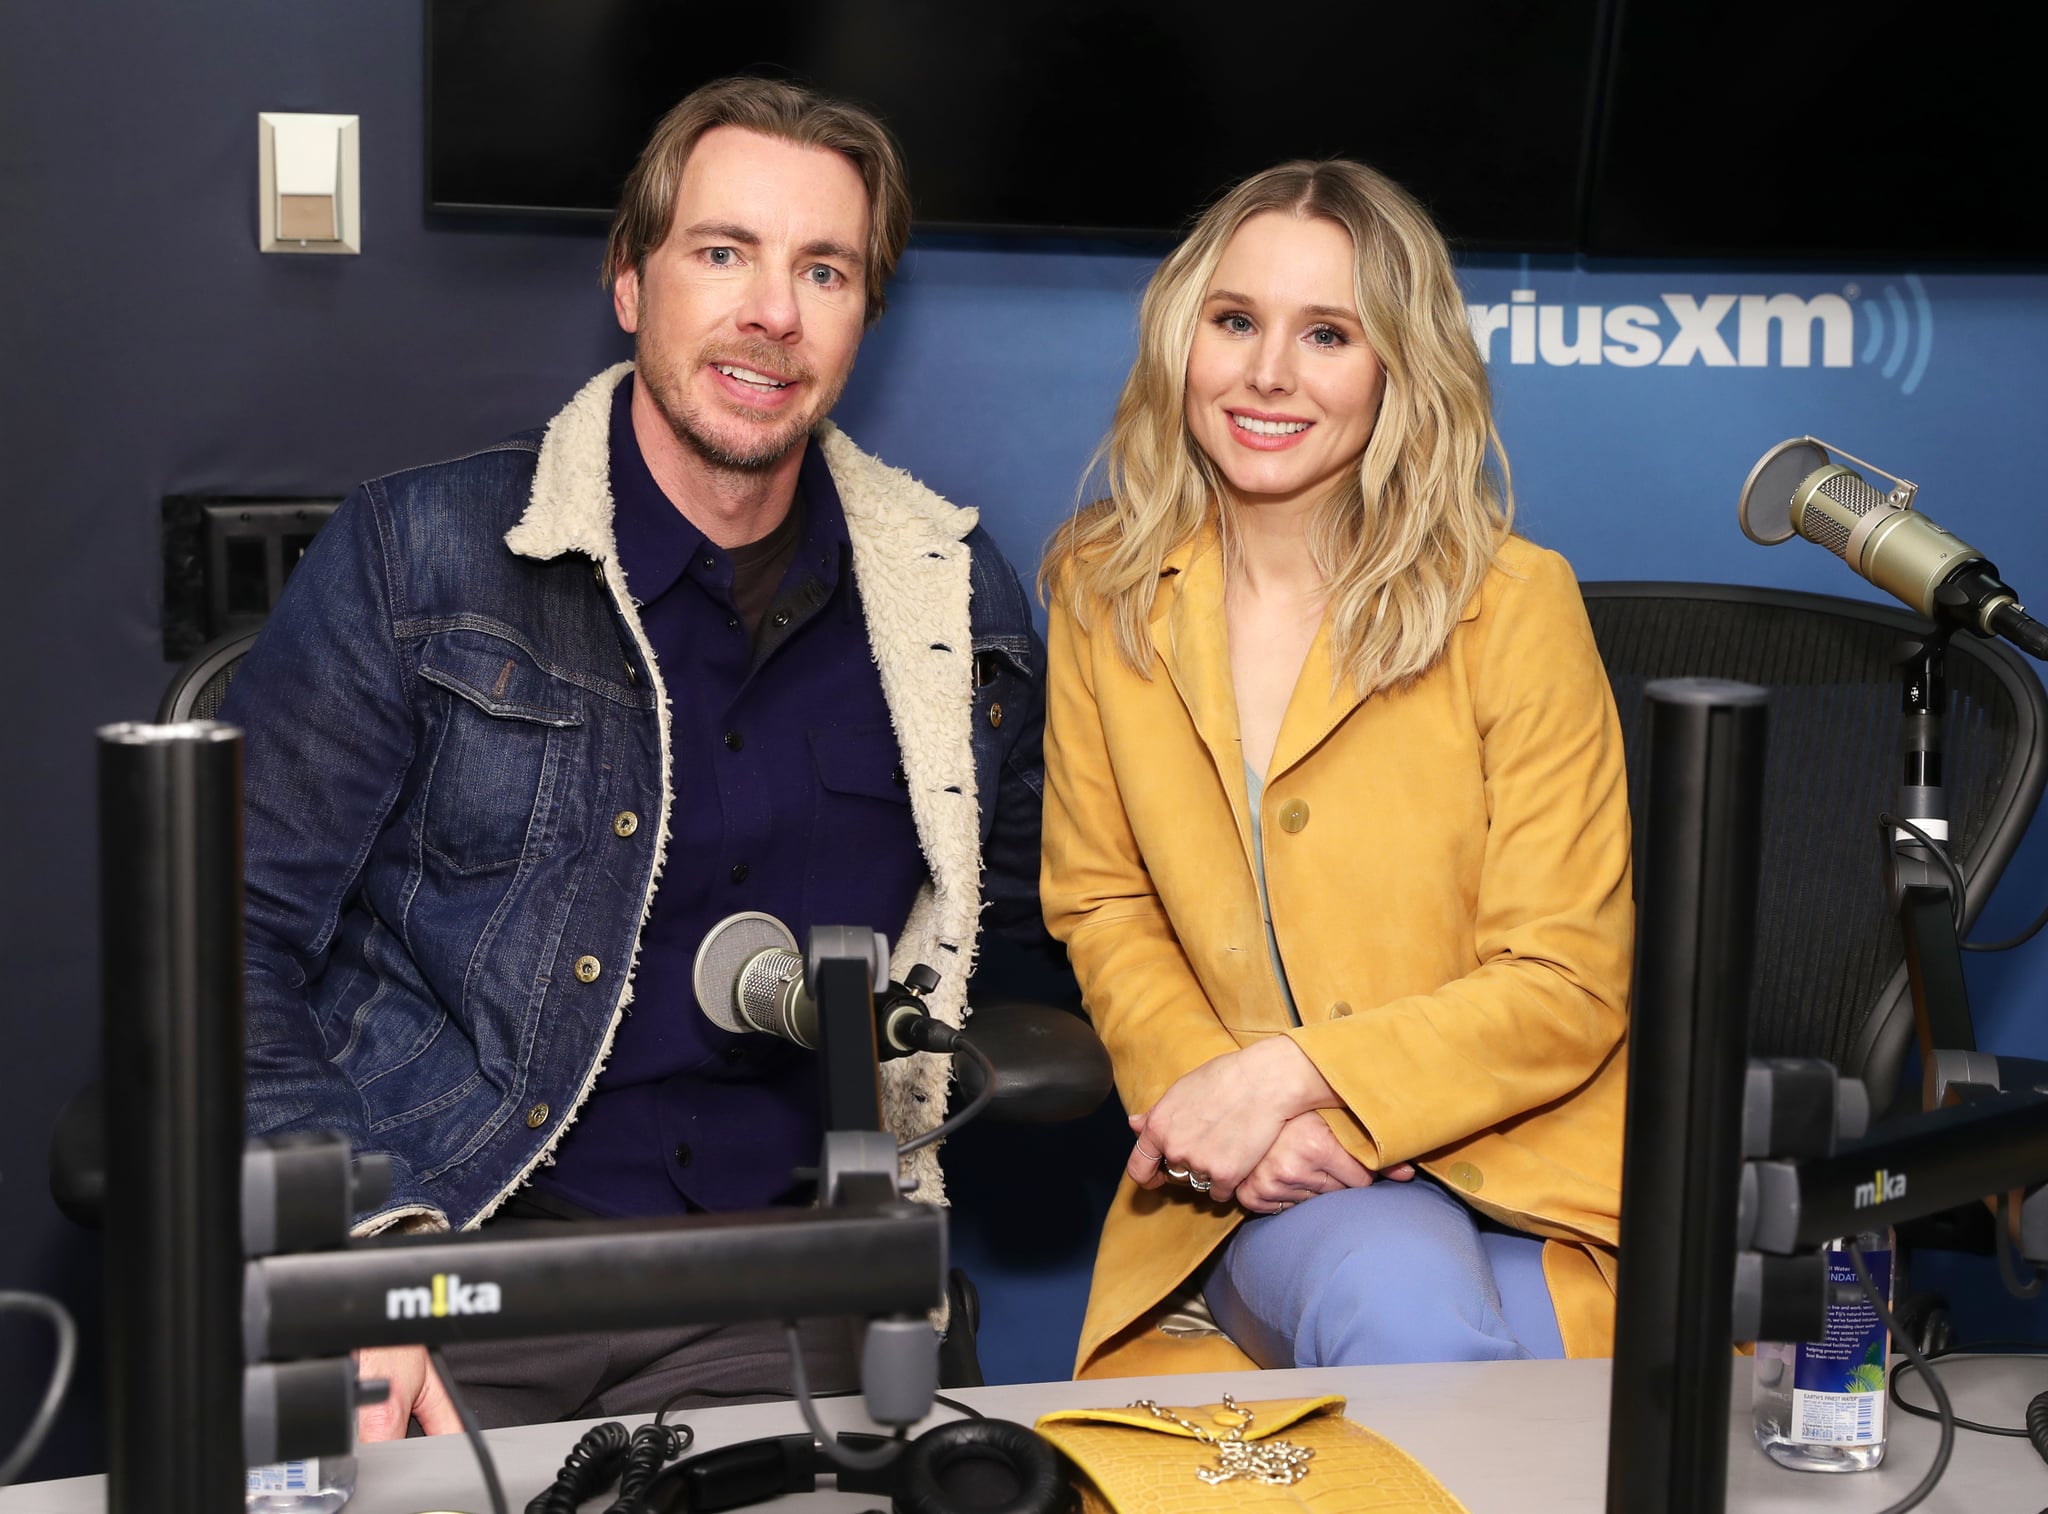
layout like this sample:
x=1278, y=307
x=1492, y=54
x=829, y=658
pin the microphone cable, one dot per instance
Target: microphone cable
x=1889, y=823
x=944, y=1038
x=1947, y=1410
x=828, y=1444
x=60, y=1377
x=471, y=1429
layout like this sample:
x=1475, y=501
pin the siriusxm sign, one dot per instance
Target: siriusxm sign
x=1717, y=331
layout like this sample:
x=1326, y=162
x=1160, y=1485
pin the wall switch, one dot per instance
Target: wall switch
x=309, y=183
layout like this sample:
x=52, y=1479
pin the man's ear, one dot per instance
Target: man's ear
x=626, y=300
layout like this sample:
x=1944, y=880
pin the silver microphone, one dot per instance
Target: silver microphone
x=749, y=976
x=1797, y=488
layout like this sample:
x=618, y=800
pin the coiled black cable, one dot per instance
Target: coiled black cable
x=653, y=1447
x=591, y=1466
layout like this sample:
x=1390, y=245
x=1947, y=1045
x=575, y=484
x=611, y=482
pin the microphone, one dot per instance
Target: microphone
x=749, y=976
x=1797, y=488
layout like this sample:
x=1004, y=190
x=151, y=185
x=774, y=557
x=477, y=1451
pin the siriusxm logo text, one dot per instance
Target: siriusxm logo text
x=1686, y=329
x=1882, y=1188
x=448, y=1294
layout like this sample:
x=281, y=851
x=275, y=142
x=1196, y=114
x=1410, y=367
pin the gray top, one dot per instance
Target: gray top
x=1255, y=791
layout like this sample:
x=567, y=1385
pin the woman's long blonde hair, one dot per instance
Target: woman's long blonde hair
x=1406, y=539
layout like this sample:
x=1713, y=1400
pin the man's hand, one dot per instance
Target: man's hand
x=416, y=1393
x=1220, y=1120
x=1304, y=1160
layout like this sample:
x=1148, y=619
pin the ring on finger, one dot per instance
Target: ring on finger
x=1199, y=1181
x=1150, y=1156
x=1179, y=1174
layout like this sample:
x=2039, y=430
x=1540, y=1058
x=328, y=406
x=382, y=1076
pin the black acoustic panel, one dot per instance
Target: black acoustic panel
x=1790, y=128
x=1047, y=115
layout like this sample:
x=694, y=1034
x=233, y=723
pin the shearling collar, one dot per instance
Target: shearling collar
x=570, y=508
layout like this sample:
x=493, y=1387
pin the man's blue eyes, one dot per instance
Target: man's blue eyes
x=824, y=276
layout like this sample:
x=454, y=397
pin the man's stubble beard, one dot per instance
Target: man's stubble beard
x=669, y=390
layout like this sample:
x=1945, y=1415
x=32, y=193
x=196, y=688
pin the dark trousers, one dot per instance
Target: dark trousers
x=527, y=1382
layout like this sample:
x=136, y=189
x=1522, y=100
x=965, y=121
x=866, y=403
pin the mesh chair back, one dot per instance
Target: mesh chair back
x=200, y=687
x=1830, y=959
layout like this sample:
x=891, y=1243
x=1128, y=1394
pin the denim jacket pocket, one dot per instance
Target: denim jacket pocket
x=500, y=724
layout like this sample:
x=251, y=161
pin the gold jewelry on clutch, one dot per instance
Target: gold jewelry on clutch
x=1279, y=1463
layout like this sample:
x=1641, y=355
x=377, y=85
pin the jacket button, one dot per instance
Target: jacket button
x=734, y=741
x=587, y=968
x=995, y=715
x=1466, y=1176
x=1294, y=816
x=632, y=673
x=625, y=823
x=739, y=872
x=683, y=1155
x=1339, y=1010
x=536, y=1117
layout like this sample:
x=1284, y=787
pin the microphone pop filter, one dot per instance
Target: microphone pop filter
x=723, y=955
x=1765, y=508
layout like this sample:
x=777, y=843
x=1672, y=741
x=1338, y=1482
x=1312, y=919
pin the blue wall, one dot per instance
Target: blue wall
x=146, y=348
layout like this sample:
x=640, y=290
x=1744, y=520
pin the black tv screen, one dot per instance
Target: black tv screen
x=1084, y=116
x=1760, y=128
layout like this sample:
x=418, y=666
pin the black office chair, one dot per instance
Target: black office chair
x=1830, y=977
x=200, y=687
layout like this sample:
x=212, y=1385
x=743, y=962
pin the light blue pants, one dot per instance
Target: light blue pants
x=1394, y=1272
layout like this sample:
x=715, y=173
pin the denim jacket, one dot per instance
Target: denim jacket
x=458, y=800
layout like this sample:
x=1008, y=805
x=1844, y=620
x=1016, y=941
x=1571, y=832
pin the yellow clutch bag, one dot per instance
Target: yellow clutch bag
x=1274, y=1456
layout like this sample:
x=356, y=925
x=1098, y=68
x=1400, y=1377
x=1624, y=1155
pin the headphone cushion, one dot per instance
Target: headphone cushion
x=980, y=1466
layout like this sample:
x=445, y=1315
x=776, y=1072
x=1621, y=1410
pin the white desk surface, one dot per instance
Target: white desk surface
x=1505, y=1437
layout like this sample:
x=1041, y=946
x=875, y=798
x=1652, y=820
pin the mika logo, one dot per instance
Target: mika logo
x=1718, y=331
x=449, y=1294
x=1882, y=1188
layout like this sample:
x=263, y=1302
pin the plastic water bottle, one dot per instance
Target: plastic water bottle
x=1820, y=1405
x=318, y=1485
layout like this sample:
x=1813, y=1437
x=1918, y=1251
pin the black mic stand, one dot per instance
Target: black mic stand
x=194, y=1328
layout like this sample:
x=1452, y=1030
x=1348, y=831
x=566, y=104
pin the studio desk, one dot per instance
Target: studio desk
x=1505, y=1437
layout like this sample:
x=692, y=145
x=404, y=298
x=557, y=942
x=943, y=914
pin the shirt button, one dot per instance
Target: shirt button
x=536, y=1117
x=625, y=822
x=587, y=968
x=995, y=715
x=1339, y=1010
x=1293, y=816
x=710, y=561
x=735, y=1054
x=683, y=1155
x=898, y=777
x=734, y=741
x=739, y=872
x=779, y=619
x=1466, y=1176
x=732, y=622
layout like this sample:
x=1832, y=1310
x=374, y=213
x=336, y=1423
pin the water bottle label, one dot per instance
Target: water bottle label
x=1838, y=1382
x=286, y=1477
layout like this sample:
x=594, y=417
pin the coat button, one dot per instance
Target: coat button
x=536, y=1117
x=734, y=741
x=1294, y=816
x=1339, y=1010
x=625, y=823
x=683, y=1155
x=995, y=715
x=739, y=872
x=587, y=968
x=1466, y=1176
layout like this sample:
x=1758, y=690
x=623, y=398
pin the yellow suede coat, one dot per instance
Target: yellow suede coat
x=1448, y=868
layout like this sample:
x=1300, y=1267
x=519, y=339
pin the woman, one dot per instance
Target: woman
x=1336, y=826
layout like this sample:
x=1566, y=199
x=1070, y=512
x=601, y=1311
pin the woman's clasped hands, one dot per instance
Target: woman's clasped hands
x=1243, y=1127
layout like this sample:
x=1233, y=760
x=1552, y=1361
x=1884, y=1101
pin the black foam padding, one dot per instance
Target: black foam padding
x=981, y=1466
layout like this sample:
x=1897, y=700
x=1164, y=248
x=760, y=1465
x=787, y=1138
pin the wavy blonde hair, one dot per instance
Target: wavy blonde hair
x=1405, y=539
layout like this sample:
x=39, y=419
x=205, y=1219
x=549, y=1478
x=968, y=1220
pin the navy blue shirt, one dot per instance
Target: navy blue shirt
x=789, y=797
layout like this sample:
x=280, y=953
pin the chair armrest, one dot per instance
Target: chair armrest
x=78, y=1158
x=1050, y=1065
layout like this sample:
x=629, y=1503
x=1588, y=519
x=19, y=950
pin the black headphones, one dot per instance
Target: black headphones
x=966, y=1466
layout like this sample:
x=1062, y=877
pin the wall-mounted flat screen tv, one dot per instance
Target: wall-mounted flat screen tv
x=1083, y=116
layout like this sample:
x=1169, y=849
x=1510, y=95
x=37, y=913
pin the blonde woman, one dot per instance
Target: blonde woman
x=1336, y=825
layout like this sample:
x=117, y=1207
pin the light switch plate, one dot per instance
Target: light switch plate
x=308, y=182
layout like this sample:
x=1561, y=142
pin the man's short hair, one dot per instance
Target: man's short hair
x=774, y=109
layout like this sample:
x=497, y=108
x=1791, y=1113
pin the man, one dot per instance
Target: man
x=528, y=723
